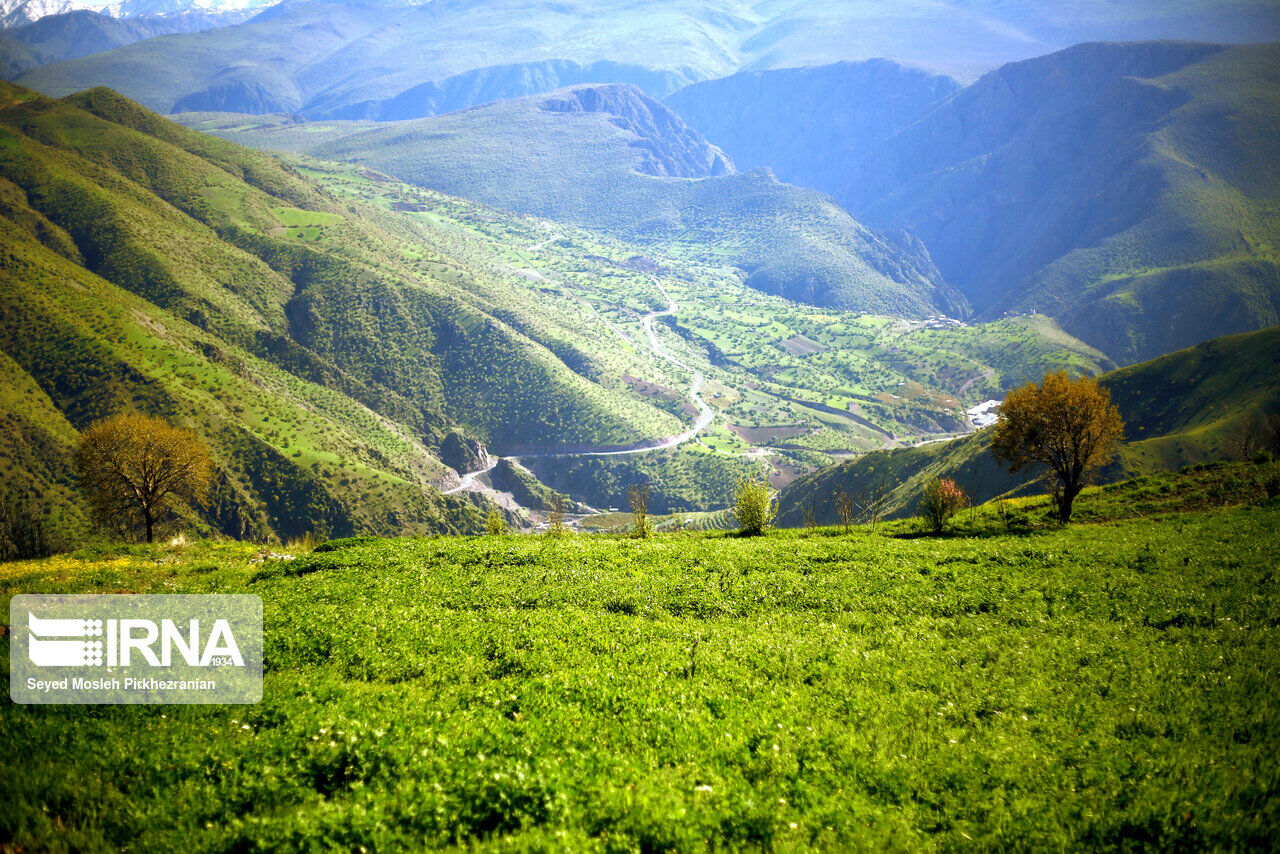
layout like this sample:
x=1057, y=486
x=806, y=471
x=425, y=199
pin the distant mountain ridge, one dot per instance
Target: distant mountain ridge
x=82, y=32
x=666, y=144
x=1129, y=190
x=610, y=158
x=485, y=85
x=17, y=13
x=365, y=59
x=810, y=124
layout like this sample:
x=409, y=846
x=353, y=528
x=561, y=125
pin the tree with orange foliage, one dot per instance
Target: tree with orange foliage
x=1068, y=425
x=133, y=466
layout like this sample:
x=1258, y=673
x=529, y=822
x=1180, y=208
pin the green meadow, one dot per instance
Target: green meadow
x=1012, y=684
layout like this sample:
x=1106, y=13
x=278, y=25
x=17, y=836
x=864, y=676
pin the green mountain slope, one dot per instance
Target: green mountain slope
x=324, y=349
x=809, y=124
x=609, y=158
x=351, y=59
x=1129, y=190
x=1177, y=409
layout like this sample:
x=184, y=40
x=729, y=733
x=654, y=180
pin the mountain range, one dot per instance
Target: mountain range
x=1128, y=190
x=81, y=32
x=17, y=13
x=325, y=59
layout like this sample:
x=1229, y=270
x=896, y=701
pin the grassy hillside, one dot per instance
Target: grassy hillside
x=1108, y=686
x=328, y=59
x=606, y=157
x=1130, y=191
x=321, y=347
x=1178, y=410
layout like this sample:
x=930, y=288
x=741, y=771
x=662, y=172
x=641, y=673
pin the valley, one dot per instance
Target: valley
x=859, y=383
x=436, y=317
x=640, y=426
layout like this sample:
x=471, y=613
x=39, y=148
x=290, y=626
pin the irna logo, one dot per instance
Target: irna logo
x=114, y=648
x=51, y=643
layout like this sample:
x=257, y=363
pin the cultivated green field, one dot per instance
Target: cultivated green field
x=1112, y=685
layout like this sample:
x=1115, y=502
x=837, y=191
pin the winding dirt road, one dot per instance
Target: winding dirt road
x=705, y=414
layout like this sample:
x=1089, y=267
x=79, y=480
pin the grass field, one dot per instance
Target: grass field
x=1112, y=685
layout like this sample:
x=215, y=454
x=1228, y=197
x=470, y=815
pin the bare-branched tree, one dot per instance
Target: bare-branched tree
x=638, y=498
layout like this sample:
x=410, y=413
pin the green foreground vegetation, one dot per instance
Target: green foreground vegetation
x=1012, y=685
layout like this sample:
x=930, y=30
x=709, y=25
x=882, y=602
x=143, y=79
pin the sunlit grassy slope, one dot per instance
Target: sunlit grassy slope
x=322, y=348
x=1178, y=410
x=1111, y=685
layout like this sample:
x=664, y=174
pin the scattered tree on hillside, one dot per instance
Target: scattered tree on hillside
x=638, y=498
x=753, y=505
x=875, y=496
x=1068, y=425
x=1255, y=436
x=846, y=508
x=941, y=500
x=23, y=532
x=1271, y=434
x=132, y=467
x=1246, y=439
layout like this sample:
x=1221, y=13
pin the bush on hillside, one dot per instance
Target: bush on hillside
x=23, y=533
x=753, y=505
x=494, y=524
x=941, y=500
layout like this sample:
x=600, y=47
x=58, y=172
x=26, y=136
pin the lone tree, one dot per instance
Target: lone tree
x=1068, y=425
x=132, y=467
x=638, y=498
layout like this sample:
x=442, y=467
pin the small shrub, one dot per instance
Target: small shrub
x=306, y=543
x=942, y=499
x=1271, y=483
x=555, y=518
x=494, y=524
x=753, y=505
